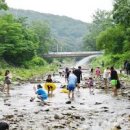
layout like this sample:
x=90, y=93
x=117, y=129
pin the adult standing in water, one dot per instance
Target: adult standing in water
x=114, y=78
x=72, y=80
x=78, y=74
x=7, y=81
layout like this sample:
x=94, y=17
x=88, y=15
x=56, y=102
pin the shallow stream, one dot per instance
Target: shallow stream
x=87, y=112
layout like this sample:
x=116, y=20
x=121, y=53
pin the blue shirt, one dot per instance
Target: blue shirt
x=42, y=93
x=72, y=79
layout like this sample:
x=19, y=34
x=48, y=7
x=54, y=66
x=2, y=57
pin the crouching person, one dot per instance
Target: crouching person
x=72, y=80
x=41, y=94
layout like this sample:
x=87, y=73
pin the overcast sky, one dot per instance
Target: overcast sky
x=77, y=9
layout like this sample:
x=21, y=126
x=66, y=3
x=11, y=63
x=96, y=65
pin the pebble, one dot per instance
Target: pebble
x=98, y=103
x=8, y=116
x=7, y=104
x=68, y=102
x=56, y=116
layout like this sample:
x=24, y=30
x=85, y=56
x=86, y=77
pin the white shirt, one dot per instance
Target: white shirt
x=106, y=74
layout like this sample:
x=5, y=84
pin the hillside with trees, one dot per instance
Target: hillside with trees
x=110, y=32
x=67, y=32
x=22, y=46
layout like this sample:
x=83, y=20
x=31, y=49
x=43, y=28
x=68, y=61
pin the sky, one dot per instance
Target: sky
x=77, y=9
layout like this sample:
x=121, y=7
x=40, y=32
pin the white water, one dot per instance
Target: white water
x=85, y=60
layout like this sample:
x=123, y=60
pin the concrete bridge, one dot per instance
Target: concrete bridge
x=71, y=54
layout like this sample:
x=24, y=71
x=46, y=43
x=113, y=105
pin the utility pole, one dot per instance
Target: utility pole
x=61, y=49
x=57, y=47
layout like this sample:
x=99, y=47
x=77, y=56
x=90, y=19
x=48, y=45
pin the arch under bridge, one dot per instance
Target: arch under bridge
x=71, y=54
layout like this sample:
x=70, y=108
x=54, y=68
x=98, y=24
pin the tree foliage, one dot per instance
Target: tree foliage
x=3, y=5
x=111, y=40
x=121, y=12
x=17, y=43
x=101, y=20
x=116, y=40
x=43, y=33
x=111, y=33
x=68, y=32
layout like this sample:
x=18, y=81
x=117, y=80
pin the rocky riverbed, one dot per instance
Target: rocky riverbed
x=86, y=112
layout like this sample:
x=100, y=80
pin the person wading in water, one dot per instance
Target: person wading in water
x=114, y=78
x=7, y=81
x=78, y=74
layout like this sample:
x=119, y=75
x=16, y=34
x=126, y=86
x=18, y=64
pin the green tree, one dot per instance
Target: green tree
x=43, y=33
x=3, y=5
x=121, y=15
x=101, y=21
x=17, y=43
x=121, y=12
x=111, y=40
x=126, y=46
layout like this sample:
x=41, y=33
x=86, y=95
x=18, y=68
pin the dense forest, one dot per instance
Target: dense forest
x=110, y=31
x=66, y=31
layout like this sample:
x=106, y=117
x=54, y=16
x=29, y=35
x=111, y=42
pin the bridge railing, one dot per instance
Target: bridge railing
x=72, y=54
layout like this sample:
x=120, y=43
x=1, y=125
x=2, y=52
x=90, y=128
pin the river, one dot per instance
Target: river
x=87, y=112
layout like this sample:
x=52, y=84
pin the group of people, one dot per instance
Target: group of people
x=74, y=77
x=109, y=76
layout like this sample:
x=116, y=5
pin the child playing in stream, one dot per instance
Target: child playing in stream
x=7, y=81
x=49, y=80
x=90, y=85
x=41, y=94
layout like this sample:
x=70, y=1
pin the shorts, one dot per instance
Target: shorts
x=71, y=87
x=113, y=82
x=42, y=97
x=7, y=81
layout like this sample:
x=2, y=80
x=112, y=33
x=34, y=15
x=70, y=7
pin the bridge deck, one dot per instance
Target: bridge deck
x=71, y=54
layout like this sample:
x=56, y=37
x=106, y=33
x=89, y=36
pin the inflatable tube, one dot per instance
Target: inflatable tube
x=64, y=90
x=52, y=86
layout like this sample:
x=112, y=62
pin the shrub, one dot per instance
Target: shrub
x=36, y=61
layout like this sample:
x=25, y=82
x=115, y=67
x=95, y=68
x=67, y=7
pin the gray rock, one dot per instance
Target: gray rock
x=7, y=104
x=98, y=103
x=56, y=116
x=82, y=119
x=8, y=116
x=68, y=102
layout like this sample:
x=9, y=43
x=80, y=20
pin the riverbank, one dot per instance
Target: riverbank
x=23, y=75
